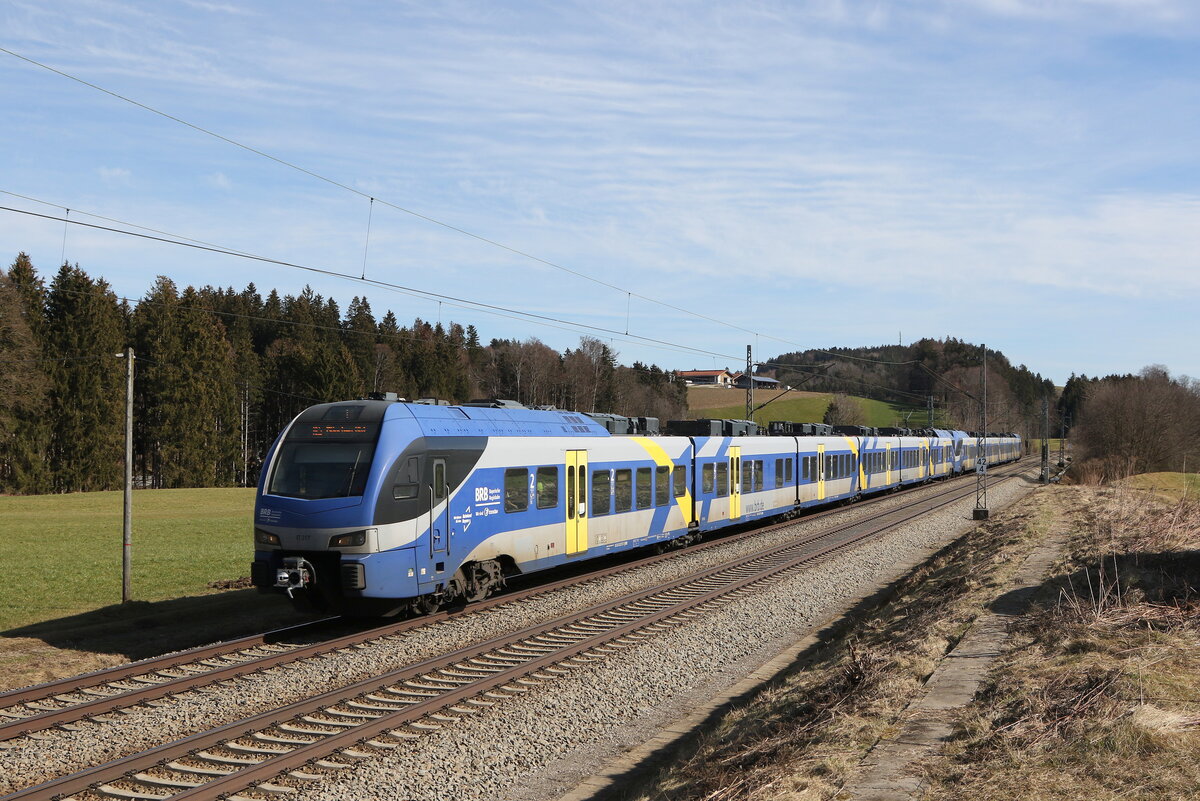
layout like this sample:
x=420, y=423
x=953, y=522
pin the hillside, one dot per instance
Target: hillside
x=800, y=407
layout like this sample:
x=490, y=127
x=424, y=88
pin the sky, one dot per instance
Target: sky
x=679, y=179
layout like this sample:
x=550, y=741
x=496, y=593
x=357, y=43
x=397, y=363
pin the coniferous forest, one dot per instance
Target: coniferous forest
x=219, y=372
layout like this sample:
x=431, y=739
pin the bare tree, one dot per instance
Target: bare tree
x=845, y=410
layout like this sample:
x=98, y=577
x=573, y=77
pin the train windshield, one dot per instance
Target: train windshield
x=327, y=454
x=314, y=470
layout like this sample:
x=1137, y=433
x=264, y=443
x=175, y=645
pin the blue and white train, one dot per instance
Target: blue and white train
x=376, y=507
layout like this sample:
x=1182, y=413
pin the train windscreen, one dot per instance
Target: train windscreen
x=324, y=459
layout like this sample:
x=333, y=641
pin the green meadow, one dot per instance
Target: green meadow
x=60, y=555
x=810, y=408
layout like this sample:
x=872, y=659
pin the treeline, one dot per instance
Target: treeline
x=1128, y=424
x=219, y=372
x=949, y=370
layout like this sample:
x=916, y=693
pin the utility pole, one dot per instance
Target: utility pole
x=1045, y=440
x=981, y=508
x=127, y=528
x=749, y=385
x=929, y=408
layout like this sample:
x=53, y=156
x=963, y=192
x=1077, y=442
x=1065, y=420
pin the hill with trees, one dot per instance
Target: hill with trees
x=947, y=370
x=221, y=371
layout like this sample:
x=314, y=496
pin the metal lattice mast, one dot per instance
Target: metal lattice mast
x=1045, y=440
x=981, y=507
x=749, y=385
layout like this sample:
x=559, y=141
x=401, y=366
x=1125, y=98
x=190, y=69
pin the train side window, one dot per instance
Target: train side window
x=804, y=468
x=601, y=493
x=624, y=490
x=758, y=475
x=547, y=487
x=748, y=476
x=680, y=481
x=645, y=488
x=404, y=492
x=662, y=485
x=787, y=470
x=722, y=479
x=709, y=485
x=778, y=473
x=516, y=489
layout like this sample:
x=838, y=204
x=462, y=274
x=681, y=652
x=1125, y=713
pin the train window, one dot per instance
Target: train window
x=601, y=493
x=748, y=476
x=547, y=487
x=787, y=470
x=804, y=468
x=722, y=479
x=516, y=489
x=439, y=480
x=778, y=473
x=404, y=492
x=680, y=481
x=709, y=484
x=758, y=475
x=571, y=492
x=645, y=488
x=624, y=490
x=662, y=485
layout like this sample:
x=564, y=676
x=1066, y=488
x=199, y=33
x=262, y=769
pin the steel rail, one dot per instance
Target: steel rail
x=778, y=564
x=164, y=686
x=38, y=692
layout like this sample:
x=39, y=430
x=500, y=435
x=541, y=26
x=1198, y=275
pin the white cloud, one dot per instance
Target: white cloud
x=114, y=175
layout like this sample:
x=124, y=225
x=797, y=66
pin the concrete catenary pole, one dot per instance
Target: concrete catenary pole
x=127, y=528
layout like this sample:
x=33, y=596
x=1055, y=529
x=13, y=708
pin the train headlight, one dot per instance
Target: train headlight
x=351, y=540
x=265, y=537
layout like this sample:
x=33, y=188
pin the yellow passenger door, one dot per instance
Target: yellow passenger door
x=820, y=472
x=735, y=482
x=577, y=525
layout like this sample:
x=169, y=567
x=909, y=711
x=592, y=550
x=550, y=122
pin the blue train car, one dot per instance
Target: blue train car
x=376, y=507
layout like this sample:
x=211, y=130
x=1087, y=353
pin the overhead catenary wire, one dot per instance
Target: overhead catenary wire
x=457, y=229
x=341, y=330
x=359, y=192
x=451, y=300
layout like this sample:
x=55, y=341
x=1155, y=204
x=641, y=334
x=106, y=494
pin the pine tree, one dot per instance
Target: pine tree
x=24, y=383
x=85, y=328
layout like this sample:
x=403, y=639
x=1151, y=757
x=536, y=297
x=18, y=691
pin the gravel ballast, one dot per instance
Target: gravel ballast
x=559, y=733
x=538, y=745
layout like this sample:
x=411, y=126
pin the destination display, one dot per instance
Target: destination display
x=341, y=432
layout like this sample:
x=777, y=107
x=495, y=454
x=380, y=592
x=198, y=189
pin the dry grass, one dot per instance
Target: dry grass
x=803, y=735
x=1102, y=698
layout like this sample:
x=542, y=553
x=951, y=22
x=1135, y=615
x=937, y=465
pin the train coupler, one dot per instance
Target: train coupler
x=296, y=574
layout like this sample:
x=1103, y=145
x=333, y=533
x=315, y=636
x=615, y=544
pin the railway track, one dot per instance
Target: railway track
x=302, y=740
x=44, y=706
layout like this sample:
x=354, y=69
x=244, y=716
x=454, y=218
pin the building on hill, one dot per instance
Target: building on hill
x=707, y=378
x=760, y=382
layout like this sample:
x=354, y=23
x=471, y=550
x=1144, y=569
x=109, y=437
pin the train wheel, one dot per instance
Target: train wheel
x=424, y=604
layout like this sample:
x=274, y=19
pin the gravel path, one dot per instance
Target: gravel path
x=607, y=707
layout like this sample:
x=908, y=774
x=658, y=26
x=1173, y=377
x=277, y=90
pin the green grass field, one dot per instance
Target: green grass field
x=811, y=409
x=62, y=553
